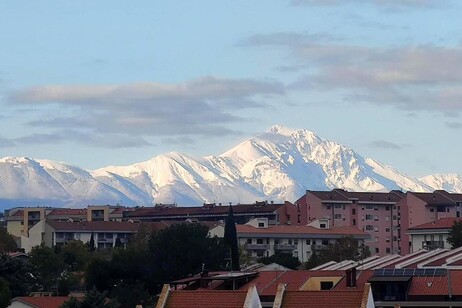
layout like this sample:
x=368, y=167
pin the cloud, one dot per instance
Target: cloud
x=201, y=107
x=389, y=4
x=96, y=140
x=5, y=143
x=454, y=125
x=382, y=144
x=417, y=77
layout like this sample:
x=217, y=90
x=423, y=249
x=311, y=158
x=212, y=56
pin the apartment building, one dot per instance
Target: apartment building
x=209, y=212
x=20, y=220
x=261, y=239
x=385, y=216
x=431, y=235
x=375, y=213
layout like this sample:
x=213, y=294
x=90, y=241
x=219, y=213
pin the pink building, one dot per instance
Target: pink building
x=386, y=217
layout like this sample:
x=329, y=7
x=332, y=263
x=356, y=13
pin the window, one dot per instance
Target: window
x=249, y=241
x=354, y=222
x=394, y=217
x=377, y=250
x=387, y=208
x=328, y=207
x=376, y=239
x=369, y=217
x=290, y=242
x=259, y=241
x=325, y=242
x=432, y=210
x=387, y=240
x=387, y=218
x=295, y=242
x=441, y=209
x=259, y=253
x=369, y=227
x=276, y=242
x=322, y=226
x=353, y=211
x=387, y=229
x=376, y=218
x=327, y=285
x=338, y=206
x=376, y=207
x=388, y=250
x=337, y=216
x=369, y=207
x=308, y=242
x=261, y=224
x=376, y=229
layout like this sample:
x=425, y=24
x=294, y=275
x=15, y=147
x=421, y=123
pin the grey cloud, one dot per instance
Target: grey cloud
x=204, y=106
x=5, y=143
x=96, y=140
x=382, y=144
x=422, y=77
x=454, y=125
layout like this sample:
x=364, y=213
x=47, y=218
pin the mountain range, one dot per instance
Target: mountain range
x=280, y=164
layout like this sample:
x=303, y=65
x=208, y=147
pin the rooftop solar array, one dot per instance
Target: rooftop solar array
x=395, y=272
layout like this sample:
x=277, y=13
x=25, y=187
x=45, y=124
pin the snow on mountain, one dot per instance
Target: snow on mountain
x=280, y=164
x=449, y=182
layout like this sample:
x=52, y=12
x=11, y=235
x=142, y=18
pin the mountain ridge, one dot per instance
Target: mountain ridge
x=279, y=164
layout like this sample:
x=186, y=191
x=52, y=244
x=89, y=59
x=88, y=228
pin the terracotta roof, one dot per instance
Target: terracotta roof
x=362, y=277
x=322, y=299
x=109, y=226
x=429, y=285
x=443, y=223
x=283, y=229
x=201, y=298
x=334, y=195
x=43, y=301
x=348, y=196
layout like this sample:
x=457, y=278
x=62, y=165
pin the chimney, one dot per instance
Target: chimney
x=353, y=277
x=348, y=278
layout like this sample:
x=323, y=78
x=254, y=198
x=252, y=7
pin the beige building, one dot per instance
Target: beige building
x=432, y=235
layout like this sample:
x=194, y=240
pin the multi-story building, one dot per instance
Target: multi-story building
x=210, y=212
x=373, y=212
x=431, y=235
x=20, y=220
x=386, y=217
x=261, y=239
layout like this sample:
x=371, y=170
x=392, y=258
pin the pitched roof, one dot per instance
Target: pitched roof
x=67, y=212
x=443, y=223
x=43, y=301
x=203, y=210
x=283, y=229
x=435, y=198
x=206, y=298
x=348, y=196
x=322, y=299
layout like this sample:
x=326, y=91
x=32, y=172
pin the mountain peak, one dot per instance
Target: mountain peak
x=281, y=130
x=14, y=160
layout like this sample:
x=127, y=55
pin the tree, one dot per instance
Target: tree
x=5, y=293
x=313, y=261
x=75, y=255
x=7, y=242
x=91, y=243
x=345, y=248
x=93, y=299
x=118, y=243
x=283, y=259
x=230, y=239
x=455, y=234
x=47, y=266
x=18, y=274
x=71, y=303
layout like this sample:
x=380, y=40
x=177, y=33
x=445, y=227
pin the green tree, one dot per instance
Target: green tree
x=91, y=243
x=48, y=267
x=75, y=255
x=95, y=299
x=230, y=239
x=18, y=274
x=313, y=261
x=283, y=259
x=5, y=293
x=345, y=248
x=455, y=235
x=7, y=242
x=71, y=303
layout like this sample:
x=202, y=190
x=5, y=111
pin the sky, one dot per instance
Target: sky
x=98, y=83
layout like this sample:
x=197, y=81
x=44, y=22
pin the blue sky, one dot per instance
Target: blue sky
x=96, y=83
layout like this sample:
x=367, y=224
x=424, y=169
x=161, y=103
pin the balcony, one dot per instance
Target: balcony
x=257, y=246
x=430, y=245
x=285, y=247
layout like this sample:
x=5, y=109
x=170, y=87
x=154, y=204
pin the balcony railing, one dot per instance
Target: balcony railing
x=257, y=246
x=432, y=245
x=285, y=247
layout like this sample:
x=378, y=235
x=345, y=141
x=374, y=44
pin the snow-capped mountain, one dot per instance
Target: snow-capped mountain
x=278, y=165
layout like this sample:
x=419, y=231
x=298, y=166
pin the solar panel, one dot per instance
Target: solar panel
x=396, y=272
